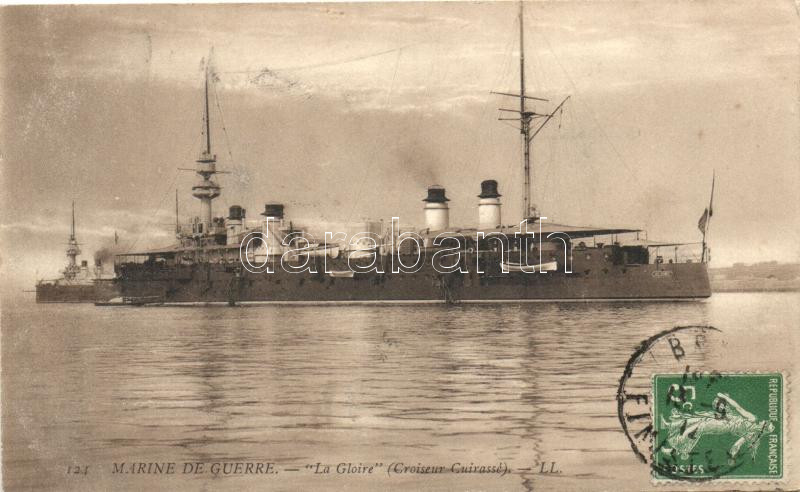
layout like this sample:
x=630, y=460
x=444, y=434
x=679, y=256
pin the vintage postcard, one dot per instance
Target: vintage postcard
x=538, y=245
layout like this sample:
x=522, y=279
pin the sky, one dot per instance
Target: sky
x=347, y=111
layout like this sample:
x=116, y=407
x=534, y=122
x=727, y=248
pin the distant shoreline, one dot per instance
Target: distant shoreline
x=727, y=289
x=768, y=276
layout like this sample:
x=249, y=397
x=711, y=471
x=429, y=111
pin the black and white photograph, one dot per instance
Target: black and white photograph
x=439, y=245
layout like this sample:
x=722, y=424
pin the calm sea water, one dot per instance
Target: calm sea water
x=298, y=385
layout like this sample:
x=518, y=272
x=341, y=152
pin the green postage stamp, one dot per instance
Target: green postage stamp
x=718, y=426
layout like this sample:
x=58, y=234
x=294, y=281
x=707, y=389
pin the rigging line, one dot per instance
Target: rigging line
x=486, y=119
x=442, y=78
x=150, y=195
x=591, y=113
x=555, y=154
x=360, y=188
x=487, y=113
x=408, y=173
x=326, y=64
x=448, y=162
x=388, y=96
x=548, y=174
x=394, y=77
x=227, y=138
x=190, y=156
x=155, y=215
x=510, y=125
x=533, y=63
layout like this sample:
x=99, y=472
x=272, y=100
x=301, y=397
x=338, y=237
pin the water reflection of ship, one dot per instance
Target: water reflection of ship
x=205, y=265
x=78, y=283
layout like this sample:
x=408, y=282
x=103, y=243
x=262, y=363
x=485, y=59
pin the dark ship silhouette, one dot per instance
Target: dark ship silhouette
x=77, y=282
x=208, y=264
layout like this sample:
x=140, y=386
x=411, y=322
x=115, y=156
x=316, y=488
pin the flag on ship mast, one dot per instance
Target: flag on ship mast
x=702, y=224
x=708, y=212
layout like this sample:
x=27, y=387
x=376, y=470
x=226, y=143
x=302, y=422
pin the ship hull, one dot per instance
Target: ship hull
x=98, y=290
x=54, y=293
x=219, y=283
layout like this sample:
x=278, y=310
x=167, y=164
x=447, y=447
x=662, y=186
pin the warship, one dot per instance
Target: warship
x=77, y=282
x=234, y=260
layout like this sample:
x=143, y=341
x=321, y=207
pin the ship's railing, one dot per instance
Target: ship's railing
x=640, y=252
x=676, y=253
x=130, y=258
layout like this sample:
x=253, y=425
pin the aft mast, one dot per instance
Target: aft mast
x=525, y=118
x=526, y=124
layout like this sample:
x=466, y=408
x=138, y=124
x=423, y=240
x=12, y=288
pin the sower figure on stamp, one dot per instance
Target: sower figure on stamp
x=685, y=429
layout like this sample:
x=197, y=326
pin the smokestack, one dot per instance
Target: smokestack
x=234, y=224
x=274, y=210
x=437, y=213
x=273, y=237
x=489, y=206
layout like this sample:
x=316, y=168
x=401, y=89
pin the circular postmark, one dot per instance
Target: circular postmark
x=680, y=415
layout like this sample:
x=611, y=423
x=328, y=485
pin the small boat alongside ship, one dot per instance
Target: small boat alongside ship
x=132, y=301
x=509, y=266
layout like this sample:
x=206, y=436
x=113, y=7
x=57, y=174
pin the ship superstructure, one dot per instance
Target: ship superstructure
x=78, y=283
x=275, y=259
